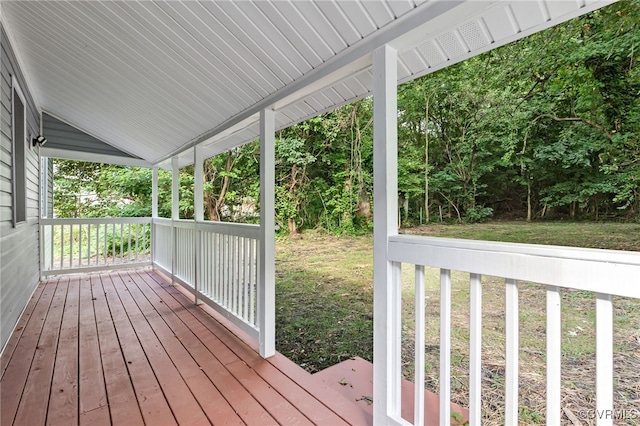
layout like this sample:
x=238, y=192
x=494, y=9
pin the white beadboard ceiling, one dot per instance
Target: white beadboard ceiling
x=155, y=78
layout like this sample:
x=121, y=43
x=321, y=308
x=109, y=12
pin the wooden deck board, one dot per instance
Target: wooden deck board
x=203, y=346
x=63, y=400
x=206, y=394
x=203, y=362
x=278, y=407
x=123, y=405
x=229, y=349
x=19, y=362
x=130, y=349
x=35, y=397
x=183, y=405
x=153, y=405
x=93, y=392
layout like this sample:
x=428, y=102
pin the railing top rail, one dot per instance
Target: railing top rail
x=240, y=229
x=162, y=221
x=603, y=271
x=94, y=221
x=563, y=252
x=229, y=228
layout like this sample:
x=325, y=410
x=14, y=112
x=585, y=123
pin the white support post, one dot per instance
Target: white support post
x=198, y=216
x=266, y=285
x=175, y=189
x=154, y=192
x=386, y=300
x=154, y=211
x=175, y=212
x=198, y=184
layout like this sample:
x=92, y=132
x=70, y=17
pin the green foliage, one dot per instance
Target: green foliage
x=83, y=189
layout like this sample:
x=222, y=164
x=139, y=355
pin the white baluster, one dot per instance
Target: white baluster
x=418, y=411
x=475, y=350
x=512, y=352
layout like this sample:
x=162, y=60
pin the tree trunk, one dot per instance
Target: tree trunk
x=405, y=206
x=293, y=228
x=528, y=200
x=214, y=203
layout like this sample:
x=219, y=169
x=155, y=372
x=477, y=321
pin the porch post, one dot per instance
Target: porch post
x=175, y=211
x=198, y=184
x=266, y=283
x=198, y=216
x=386, y=288
x=154, y=192
x=154, y=211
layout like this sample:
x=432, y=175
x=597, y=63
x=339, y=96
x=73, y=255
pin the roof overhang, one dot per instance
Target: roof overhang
x=155, y=79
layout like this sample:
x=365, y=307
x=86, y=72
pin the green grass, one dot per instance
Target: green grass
x=324, y=299
x=88, y=242
x=325, y=309
x=602, y=235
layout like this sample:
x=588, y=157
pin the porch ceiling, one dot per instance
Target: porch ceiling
x=155, y=78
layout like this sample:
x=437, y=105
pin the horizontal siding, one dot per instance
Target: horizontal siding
x=5, y=199
x=60, y=135
x=5, y=216
x=5, y=185
x=20, y=273
x=19, y=246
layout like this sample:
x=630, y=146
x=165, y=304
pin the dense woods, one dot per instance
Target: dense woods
x=545, y=127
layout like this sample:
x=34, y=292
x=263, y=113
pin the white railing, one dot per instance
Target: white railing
x=216, y=261
x=162, y=236
x=84, y=245
x=606, y=273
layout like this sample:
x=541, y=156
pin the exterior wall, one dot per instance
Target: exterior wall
x=19, y=253
x=61, y=135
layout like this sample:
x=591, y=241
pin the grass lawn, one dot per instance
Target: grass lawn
x=324, y=315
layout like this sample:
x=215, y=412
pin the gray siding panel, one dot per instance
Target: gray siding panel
x=60, y=135
x=19, y=246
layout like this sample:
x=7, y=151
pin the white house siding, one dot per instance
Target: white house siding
x=19, y=253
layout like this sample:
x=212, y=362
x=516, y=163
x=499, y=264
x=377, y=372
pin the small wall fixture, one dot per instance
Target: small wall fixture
x=39, y=140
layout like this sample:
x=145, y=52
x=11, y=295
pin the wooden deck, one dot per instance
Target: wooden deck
x=128, y=348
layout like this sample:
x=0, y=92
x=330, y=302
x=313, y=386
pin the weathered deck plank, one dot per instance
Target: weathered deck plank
x=93, y=394
x=123, y=405
x=129, y=348
x=63, y=400
x=33, y=404
x=200, y=340
x=229, y=349
x=19, y=361
x=206, y=394
x=196, y=369
x=153, y=404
